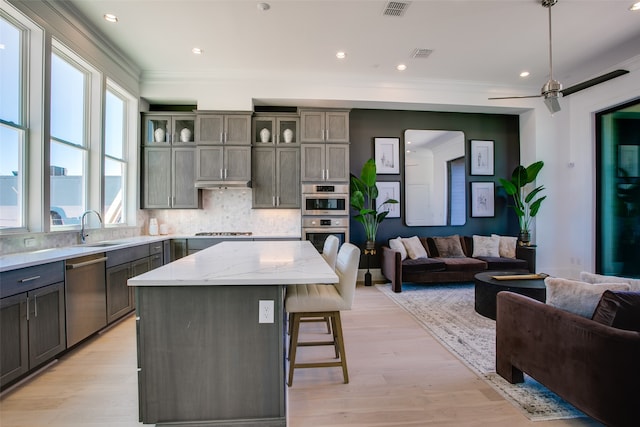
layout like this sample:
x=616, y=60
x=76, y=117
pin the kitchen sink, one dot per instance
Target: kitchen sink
x=104, y=244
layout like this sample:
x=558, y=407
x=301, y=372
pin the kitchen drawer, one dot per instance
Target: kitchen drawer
x=120, y=256
x=155, y=248
x=13, y=282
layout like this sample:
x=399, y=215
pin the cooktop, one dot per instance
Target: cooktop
x=224, y=233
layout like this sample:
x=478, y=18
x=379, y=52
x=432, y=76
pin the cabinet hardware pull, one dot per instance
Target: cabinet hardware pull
x=278, y=201
x=221, y=136
x=85, y=263
x=327, y=137
x=28, y=279
x=221, y=176
x=27, y=309
x=35, y=305
x=273, y=201
x=327, y=174
x=169, y=201
x=157, y=247
x=225, y=173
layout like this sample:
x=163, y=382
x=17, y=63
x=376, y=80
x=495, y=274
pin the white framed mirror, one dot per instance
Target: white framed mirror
x=434, y=178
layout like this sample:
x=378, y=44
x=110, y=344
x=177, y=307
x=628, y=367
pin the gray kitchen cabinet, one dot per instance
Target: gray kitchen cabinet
x=280, y=129
x=121, y=266
x=324, y=125
x=178, y=249
x=276, y=177
x=223, y=128
x=325, y=162
x=171, y=128
x=32, y=318
x=223, y=163
x=169, y=178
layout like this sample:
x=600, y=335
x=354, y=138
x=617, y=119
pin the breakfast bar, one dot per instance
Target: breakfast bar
x=210, y=333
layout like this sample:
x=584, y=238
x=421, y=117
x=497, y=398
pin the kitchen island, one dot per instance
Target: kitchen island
x=210, y=331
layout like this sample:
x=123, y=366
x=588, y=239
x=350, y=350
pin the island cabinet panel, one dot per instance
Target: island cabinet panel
x=240, y=363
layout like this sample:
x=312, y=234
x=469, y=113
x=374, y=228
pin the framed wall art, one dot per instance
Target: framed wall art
x=387, y=155
x=481, y=157
x=388, y=190
x=482, y=199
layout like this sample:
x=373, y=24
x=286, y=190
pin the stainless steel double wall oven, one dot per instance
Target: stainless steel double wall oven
x=325, y=211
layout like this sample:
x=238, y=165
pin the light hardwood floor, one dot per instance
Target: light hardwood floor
x=399, y=376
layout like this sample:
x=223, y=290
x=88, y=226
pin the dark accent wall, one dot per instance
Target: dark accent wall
x=365, y=125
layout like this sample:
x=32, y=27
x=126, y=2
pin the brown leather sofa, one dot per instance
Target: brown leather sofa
x=594, y=367
x=436, y=269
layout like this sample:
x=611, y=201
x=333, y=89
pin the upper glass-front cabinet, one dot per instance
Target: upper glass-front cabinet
x=275, y=130
x=169, y=129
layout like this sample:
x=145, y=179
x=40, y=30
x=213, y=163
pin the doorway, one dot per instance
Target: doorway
x=618, y=190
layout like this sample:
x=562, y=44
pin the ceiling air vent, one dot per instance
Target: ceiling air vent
x=421, y=52
x=396, y=8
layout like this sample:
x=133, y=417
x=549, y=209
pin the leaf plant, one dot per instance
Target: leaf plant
x=525, y=203
x=363, y=194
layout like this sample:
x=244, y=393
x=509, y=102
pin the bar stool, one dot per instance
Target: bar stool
x=318, y=300
x=329, y=253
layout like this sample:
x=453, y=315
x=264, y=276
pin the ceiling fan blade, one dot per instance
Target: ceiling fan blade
x=592, y=82
x=517, y=97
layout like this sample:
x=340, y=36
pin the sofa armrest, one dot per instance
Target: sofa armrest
x=593, y=366
x=391, y=267
x=528, y=254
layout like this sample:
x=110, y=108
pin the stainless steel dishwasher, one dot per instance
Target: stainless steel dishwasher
x=85, y=296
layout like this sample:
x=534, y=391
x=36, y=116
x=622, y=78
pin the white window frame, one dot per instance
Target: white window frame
x=130, y=151
x=92, y=138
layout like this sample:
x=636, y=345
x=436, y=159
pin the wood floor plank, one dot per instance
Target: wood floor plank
x=399, y=376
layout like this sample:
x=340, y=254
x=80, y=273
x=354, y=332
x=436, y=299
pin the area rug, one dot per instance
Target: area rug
x=447, y=312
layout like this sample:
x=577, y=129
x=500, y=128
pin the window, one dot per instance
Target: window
x=69, y=145
x=12, y=130
x=115, y=159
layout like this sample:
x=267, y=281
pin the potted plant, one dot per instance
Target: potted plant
x=525, y=203
x=363, y=193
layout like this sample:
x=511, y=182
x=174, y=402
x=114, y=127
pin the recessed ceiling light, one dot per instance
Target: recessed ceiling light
x=401, y=67
x=197, y=51
x=635, y=6
x=524, y=74
x=263, y=6
x=110, y=17
x=341, y=55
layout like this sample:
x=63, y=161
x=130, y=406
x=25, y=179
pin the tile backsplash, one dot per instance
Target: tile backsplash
x=229, y=210
x=222, y=210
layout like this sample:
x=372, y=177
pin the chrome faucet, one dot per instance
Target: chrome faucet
x=82, y=233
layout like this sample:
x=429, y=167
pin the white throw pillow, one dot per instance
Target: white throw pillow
x=486, y=246
x=414, y=248
x=580, y=298
x=397, y=245
x=634, y=284
x=507, y=248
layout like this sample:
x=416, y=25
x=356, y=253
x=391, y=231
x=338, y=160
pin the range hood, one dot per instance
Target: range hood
x=214, y=185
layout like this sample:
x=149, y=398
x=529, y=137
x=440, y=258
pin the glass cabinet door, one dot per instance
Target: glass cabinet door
x=157, y=130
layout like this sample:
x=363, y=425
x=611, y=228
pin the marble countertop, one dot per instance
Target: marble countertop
x=244, y=263
x=43, y=256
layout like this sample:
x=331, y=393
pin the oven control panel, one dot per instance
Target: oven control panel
x=320, y=222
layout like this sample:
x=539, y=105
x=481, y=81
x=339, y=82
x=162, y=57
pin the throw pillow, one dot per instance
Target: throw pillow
x=414, y=248
x=576, y=297
x=486, y=246
x=449, y=247
x=619, y=309
x=508, y=245
x=634, y=284
x=397, y=245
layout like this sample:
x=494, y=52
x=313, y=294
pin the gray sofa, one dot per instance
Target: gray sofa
x=437, y=269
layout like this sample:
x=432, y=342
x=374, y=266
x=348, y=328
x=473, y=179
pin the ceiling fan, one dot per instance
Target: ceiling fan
x=552, y=90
